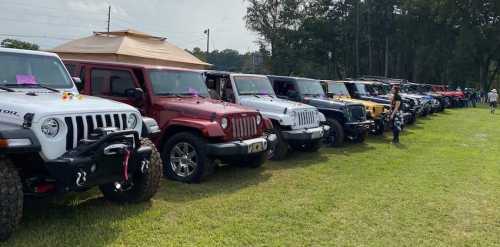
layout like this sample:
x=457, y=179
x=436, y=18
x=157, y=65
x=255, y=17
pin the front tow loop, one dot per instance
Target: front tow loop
x=144, y=166
x=81, y=178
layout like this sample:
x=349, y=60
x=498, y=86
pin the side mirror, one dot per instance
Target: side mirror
x=77, y=80
x=136, y=94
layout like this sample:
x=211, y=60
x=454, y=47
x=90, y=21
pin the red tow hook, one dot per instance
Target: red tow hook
x=126, y=157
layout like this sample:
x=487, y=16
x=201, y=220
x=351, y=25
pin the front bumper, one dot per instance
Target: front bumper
x=306, y=134
x=243, y=147
x=100, y=162
x=359, y=127
x=408, y=117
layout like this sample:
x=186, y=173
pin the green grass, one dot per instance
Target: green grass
x=441, y=187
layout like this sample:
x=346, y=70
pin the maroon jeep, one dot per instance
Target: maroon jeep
x=197, y=132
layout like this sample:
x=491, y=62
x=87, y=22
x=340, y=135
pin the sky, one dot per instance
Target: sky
x=52, y=22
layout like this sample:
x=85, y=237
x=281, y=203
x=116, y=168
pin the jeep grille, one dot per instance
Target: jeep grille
x=358, y=113
x=79, y=127
x=244, y=127
x=306, y=119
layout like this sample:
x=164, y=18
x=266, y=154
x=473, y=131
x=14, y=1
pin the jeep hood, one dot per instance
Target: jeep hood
x=15, y=105
x=201, y=107
x=272, y=104
x=330, y=103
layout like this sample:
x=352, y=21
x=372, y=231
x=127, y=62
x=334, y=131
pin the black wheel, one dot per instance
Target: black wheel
x=280, y=150
x=255, y=160
x=313, y=146
x=379, y=128
x=11, y=199
x=143, y=186
x=336, y=134
x=186, y=158
x=361, y=137
x=413, y=119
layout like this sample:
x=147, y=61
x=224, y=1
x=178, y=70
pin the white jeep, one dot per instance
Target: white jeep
x=53, y=140
x=297, y=125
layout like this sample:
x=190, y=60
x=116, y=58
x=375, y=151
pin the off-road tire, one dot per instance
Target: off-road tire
x=11, y=198
x=413, y=119
x=310, y=147
x=205, y=164
x=336, y=135
x=255, y=160
x=379, y=128
x=361, y=137
x=280, y=149
x=144, y=186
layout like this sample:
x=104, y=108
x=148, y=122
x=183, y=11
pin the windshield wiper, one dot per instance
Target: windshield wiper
x=34, y=85
x=10, y=90
x=313, y=95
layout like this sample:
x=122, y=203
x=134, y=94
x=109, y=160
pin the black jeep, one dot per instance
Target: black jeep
x=347, y=120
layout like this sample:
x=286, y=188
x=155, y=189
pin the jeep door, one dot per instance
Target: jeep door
x=286, y=89
x=112, y=83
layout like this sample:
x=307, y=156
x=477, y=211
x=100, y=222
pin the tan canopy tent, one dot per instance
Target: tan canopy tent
x=129, y=46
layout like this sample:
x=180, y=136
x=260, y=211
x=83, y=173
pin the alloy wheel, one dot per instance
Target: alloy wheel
x=183, y=159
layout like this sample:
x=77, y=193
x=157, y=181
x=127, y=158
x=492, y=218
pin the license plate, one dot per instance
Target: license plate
x=256, y=147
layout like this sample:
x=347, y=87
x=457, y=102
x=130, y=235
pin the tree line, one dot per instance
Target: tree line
x=426, y=41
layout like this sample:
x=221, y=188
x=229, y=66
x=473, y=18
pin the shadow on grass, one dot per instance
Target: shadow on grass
x=225, y=180
x=81, y=221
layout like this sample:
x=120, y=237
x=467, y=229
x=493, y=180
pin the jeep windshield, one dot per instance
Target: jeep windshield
x=178, y=83
x=27, y=70
x=253, y=85
x=338, y=89
x=369, y=89
x=311, y=88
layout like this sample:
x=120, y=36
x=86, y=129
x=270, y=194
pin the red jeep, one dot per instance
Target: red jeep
x=455, y=98
x=197, y=132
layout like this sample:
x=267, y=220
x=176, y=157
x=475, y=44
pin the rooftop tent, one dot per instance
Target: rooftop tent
x=129, y=46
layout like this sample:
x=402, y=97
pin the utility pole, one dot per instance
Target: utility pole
x=109, y=16
x=207, y=32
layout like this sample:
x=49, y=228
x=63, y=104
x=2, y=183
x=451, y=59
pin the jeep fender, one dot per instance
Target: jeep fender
x=267, y=123
x=18, y=141
x=209, y=129
x=334, y=113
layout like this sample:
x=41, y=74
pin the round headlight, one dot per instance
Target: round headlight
x=132, y=121
x=259, y=119
x=224, y=123
x=50, y=127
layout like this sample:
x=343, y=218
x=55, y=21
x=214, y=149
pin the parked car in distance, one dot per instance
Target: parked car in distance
x=373, y=91
x=435, y=100
x=197, y=132
x=347, y=120
x=376, y=111
x=54, y=141
x=297, y=125
x=456, y=97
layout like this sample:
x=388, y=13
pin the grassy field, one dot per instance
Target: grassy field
x=441, y=187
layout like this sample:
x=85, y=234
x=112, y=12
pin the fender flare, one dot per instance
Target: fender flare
x=333, y=113
x=19, y=134
x=209, y=129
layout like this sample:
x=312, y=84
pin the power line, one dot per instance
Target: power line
x=34, y=36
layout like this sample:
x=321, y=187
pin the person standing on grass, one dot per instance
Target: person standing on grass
x=492, y=100
x=396, y=116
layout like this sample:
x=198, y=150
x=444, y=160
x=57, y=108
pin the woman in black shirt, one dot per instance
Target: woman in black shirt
x=396, y=116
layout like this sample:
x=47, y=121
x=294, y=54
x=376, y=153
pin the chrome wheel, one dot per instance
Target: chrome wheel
x=183, y=159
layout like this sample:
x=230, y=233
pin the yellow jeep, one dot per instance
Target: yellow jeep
x=375, y=111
